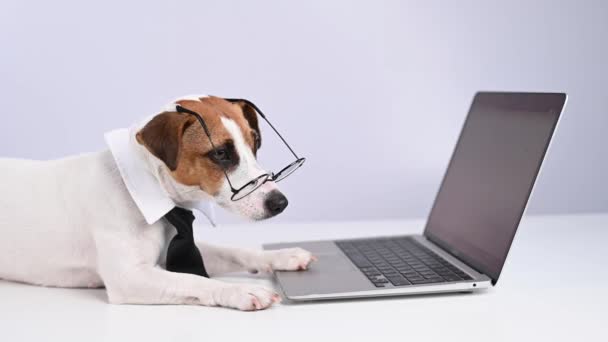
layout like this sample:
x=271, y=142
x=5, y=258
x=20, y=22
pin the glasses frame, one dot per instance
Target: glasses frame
x=273, y=177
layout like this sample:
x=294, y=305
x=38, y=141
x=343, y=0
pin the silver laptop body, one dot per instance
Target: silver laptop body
x=473, y=220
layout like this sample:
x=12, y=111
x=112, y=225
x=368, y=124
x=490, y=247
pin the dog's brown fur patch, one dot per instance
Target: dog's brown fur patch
x=181, y=143
x=250, y=114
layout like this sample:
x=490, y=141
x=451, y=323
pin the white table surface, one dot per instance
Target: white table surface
x=553, y=288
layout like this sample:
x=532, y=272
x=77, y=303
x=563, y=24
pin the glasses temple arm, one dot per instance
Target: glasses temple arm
x=268, y=122
x=280, y=136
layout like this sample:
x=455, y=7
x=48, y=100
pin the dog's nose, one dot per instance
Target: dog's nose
x=275, y=203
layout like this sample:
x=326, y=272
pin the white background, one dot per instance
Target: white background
x=373, y=93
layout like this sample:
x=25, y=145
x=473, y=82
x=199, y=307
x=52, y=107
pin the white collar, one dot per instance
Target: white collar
x=152, y=200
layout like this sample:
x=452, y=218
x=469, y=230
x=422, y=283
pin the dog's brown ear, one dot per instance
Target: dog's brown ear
x=251, y=115
x=163, y=136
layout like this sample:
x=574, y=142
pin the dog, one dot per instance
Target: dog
x=95, y=220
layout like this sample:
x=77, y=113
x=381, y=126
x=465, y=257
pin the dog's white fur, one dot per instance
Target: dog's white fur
x=248, y=169
x=73, y=223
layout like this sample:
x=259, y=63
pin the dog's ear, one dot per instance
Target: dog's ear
x=251, y=115
x=162, y=136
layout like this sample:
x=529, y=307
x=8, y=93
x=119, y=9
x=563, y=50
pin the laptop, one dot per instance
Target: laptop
x=473, y=220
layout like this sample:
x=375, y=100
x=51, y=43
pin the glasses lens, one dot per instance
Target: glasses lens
x=289, y=170
x=250, y=187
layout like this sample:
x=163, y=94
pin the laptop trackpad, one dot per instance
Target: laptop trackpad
x=332, y=273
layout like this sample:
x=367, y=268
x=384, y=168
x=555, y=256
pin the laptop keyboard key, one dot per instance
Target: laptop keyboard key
x=398, y=281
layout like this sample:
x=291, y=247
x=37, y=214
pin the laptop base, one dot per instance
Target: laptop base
x=336, y=276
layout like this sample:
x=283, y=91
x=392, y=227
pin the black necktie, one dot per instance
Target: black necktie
x=182, y=255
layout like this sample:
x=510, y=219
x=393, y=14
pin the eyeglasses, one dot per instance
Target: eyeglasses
x=254, y=184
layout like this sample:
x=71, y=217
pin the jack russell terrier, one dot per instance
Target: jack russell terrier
x=99, y=219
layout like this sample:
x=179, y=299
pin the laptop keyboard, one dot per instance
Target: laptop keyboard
x=399, y=261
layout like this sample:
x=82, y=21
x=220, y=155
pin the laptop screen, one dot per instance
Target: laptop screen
x=490, y=176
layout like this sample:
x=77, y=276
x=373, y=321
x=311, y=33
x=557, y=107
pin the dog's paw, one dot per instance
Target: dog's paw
x=246, y=297
x=287, y=259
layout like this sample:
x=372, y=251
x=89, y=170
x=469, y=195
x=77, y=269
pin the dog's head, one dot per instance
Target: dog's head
x=191, y=169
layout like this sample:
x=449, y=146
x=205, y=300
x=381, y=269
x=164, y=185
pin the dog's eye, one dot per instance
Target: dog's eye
x=221, y=154
x=224, y=155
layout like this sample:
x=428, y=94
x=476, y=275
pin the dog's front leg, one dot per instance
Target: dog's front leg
x=148, y=284
x=127, y=264
x=219, y=260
